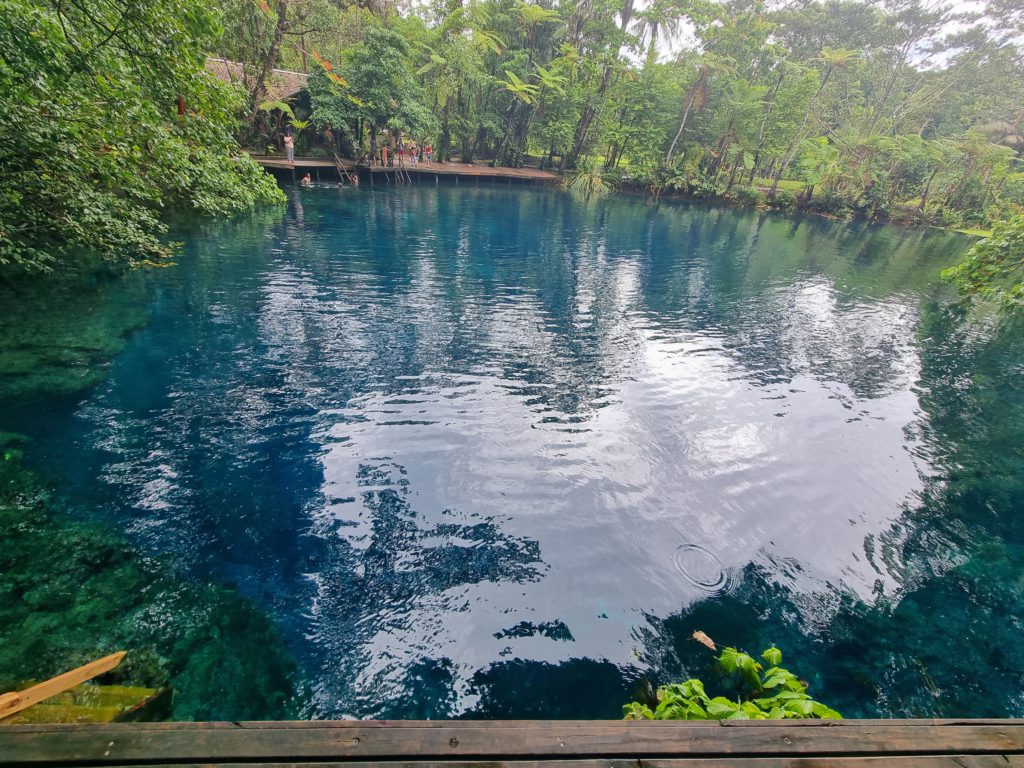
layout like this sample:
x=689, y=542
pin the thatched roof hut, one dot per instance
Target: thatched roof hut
x=282, y=85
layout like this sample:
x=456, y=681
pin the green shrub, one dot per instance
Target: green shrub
x=784, y=200
x=830, y=203
x=750, y=196
x=992, y=268
x=589, y=181
x=764, y=694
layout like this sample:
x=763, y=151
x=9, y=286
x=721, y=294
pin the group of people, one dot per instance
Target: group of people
x=391, y=150
x=397, y=152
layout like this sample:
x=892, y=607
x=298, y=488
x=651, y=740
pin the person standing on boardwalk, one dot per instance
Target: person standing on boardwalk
x=373, y=147
x=384, y=155
x=428, y=154
x=289, y=148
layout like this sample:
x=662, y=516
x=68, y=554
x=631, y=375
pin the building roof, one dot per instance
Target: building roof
x=283, y=83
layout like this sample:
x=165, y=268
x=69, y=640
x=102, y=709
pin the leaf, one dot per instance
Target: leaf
x=825, y=713
x=773, y=655
x=637, y=711
x=720, y=708
x=802, y=707
x=704, y=640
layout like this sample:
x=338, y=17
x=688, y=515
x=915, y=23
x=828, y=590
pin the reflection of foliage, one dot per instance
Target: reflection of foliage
x=405, y=567
x=766, y=694
x=553, y=630
x=71, y=593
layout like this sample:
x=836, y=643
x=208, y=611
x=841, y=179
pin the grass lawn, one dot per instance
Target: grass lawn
x=788, y=184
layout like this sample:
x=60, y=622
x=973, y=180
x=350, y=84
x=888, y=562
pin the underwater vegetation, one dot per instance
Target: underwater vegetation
x=73, y=590
x=70, y=593
x=58, y=335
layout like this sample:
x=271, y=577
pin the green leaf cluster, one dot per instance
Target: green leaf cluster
x=994, y=267
x=772, y=693
x=109, y=119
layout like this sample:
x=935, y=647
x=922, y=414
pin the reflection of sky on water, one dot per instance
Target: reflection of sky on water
x=682, y=451
x=436, y=431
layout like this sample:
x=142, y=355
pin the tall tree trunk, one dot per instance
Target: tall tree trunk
x=764, y=124
x=590, y=111
x=587, y=118
x=927, y=189
x=732, y=176
x=682, y=123
x=259, y=86
x=797, y=137
x=723, y=146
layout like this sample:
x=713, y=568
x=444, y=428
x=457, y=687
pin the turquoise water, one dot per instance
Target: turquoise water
x=498, y=452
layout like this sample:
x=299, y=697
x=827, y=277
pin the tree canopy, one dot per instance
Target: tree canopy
x=893, y=108
x=902, y=109
x=109, y=118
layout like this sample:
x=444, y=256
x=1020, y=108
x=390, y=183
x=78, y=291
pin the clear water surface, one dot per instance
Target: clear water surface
x=499, y=452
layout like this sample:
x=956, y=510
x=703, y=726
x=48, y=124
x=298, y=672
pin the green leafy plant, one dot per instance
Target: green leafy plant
x=774, y=693
x=994, y=267
x=750, y=196
x=588, y=181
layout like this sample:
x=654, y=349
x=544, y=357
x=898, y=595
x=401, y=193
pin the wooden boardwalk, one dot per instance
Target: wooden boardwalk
x=422, y=171
x=279, y=163
x=524, y=744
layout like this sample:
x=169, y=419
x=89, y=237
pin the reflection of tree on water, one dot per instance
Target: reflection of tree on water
x=388, y=591
x=949, y=642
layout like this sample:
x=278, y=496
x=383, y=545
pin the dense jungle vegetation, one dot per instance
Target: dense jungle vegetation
x=903, y=109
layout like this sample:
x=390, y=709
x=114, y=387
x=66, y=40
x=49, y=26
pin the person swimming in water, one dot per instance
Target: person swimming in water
x=306, y=181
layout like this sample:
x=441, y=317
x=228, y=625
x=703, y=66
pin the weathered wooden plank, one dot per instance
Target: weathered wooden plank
x=452, y=740
x=889, y=761
x=19, y=700
x=911, y=761
x=420, y=764
x=551, y=725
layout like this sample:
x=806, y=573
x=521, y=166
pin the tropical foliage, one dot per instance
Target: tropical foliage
x=887, y=109
x=109, y=119
x=774, y=693
x=884, y=109
x=994, y=268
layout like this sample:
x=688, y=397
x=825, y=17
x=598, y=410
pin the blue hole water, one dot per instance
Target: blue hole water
x=492, y=452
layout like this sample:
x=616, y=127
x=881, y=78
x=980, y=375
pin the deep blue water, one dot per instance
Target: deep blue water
x=499, y=452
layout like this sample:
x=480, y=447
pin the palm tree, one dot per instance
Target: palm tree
x=834, y=58
x=661, y=17
x=696, y=97
x=1005, y=132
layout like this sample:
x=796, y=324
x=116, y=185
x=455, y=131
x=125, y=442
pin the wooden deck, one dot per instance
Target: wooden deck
x=461, y=169
x=421, y=172
x=524, y=744
x=279, y=163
